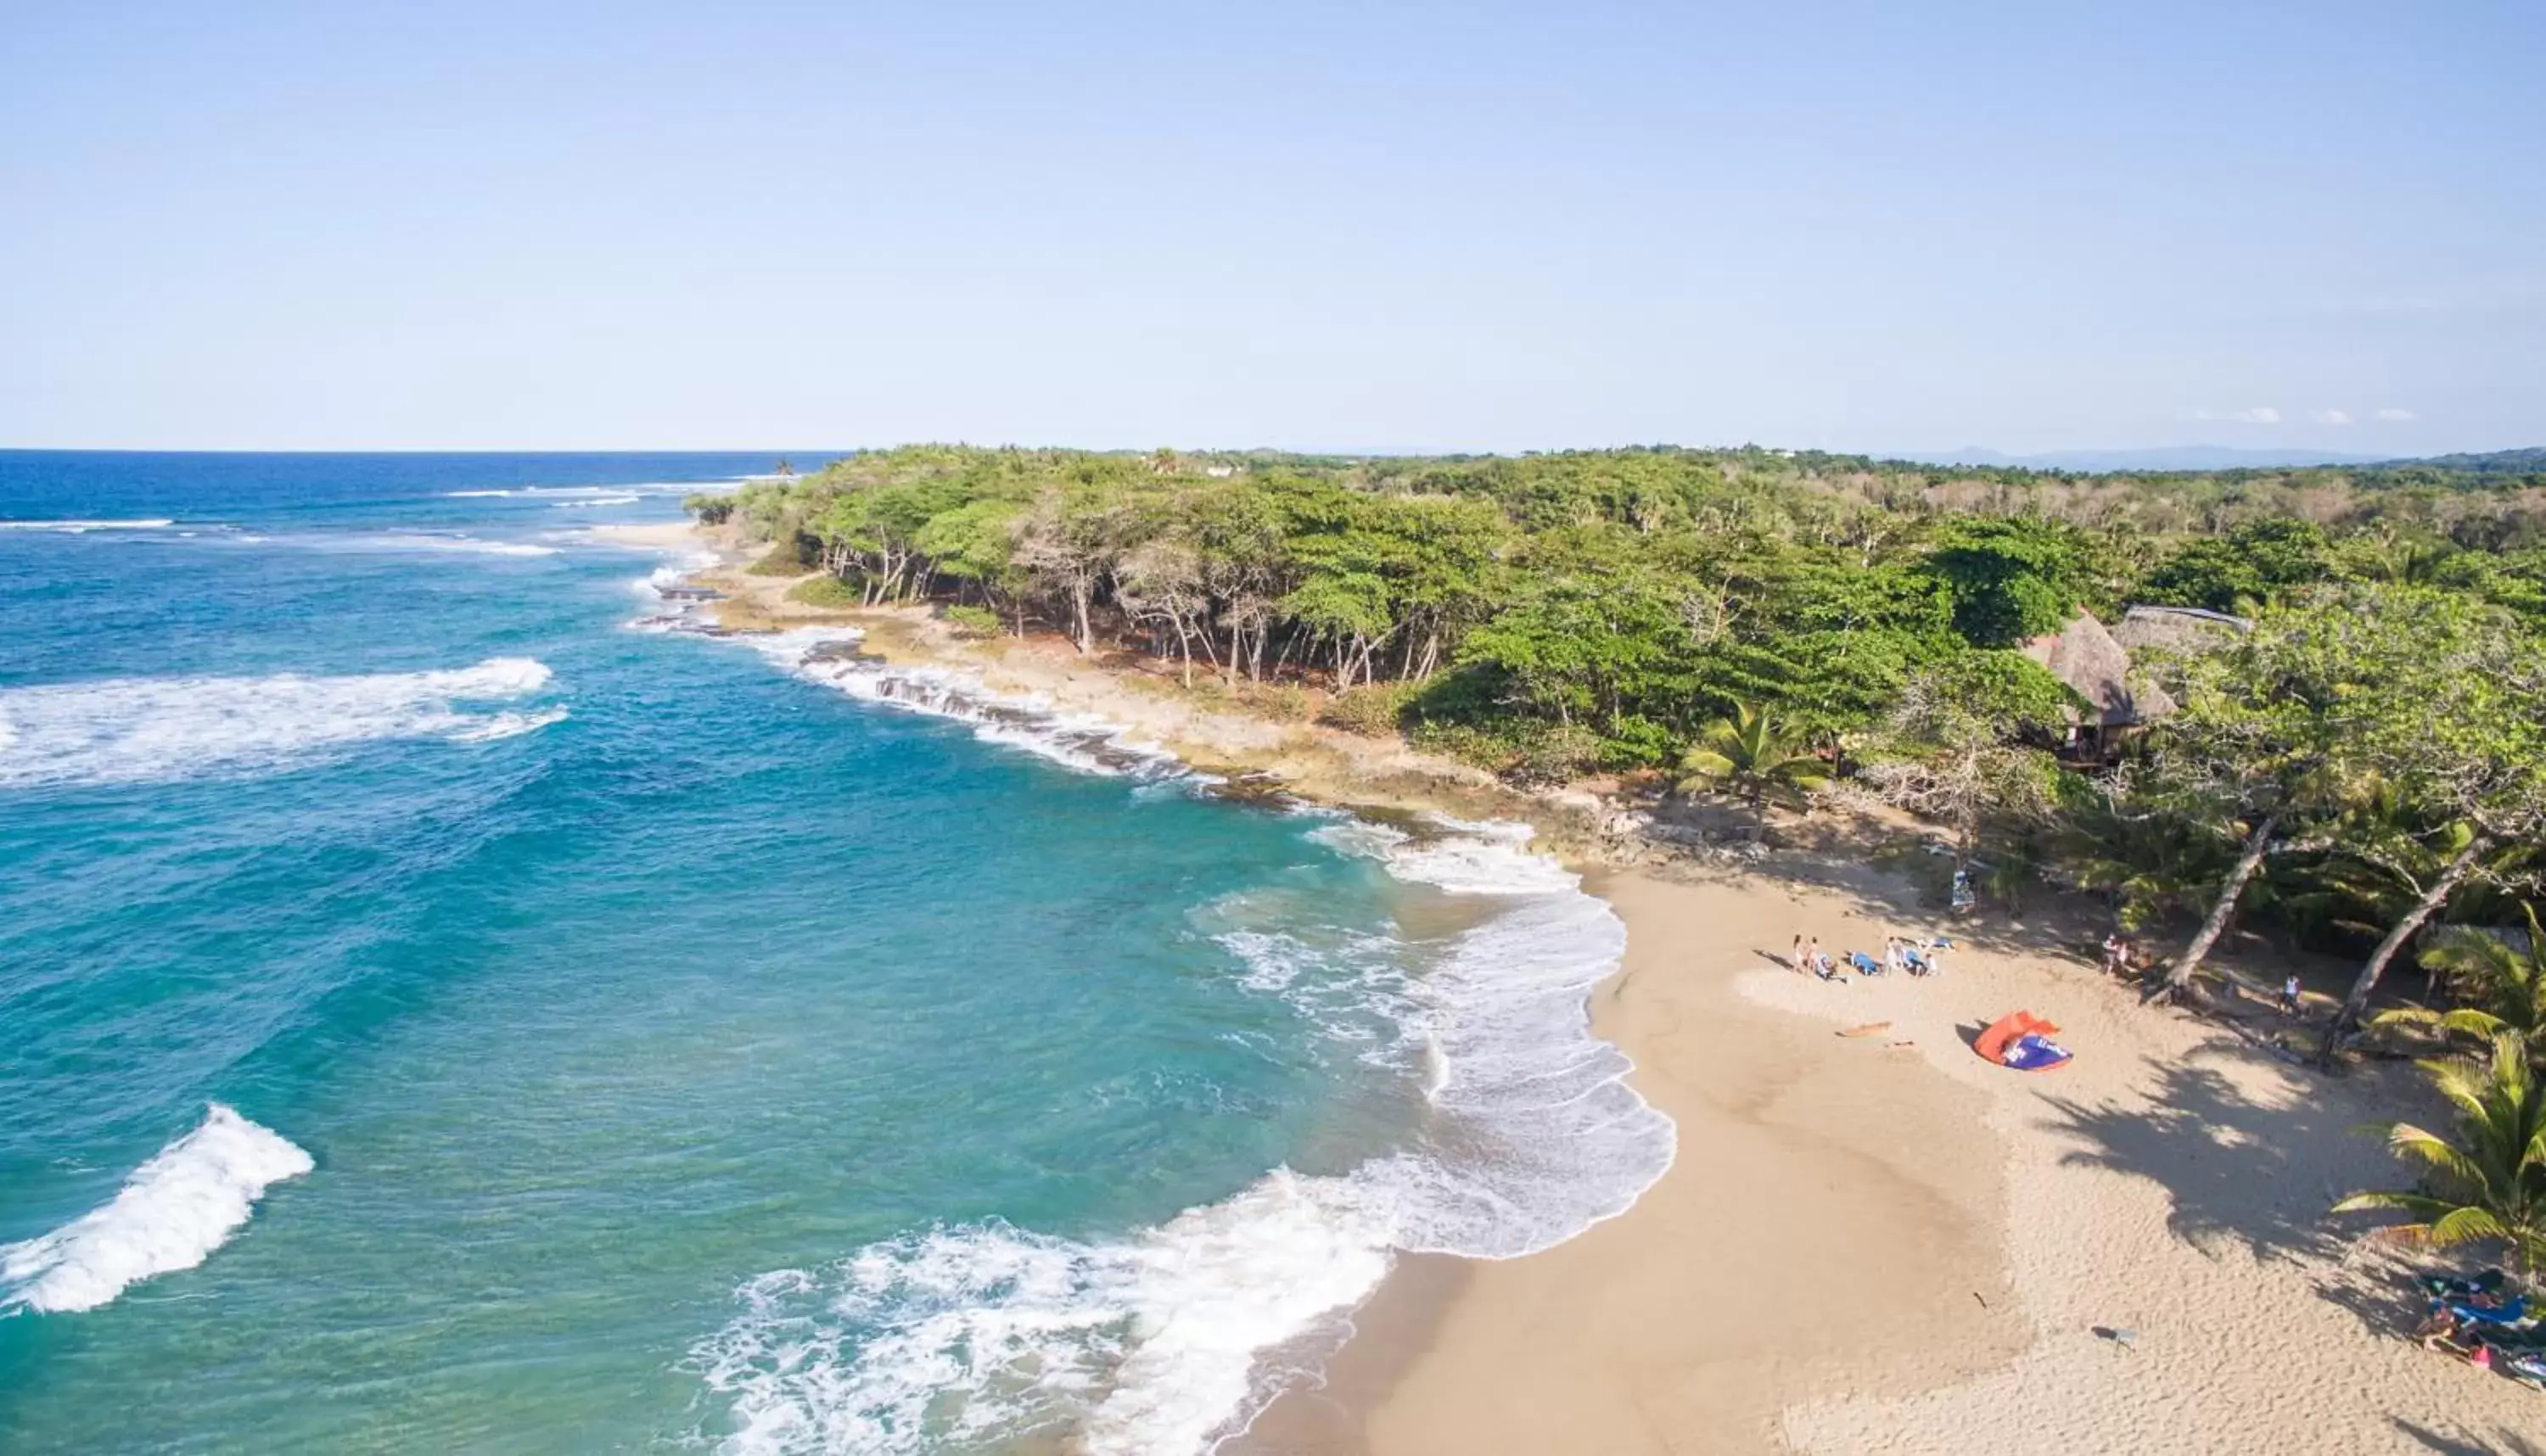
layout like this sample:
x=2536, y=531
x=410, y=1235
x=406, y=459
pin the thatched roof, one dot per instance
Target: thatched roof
x=2179, y=630
x=2086, y=656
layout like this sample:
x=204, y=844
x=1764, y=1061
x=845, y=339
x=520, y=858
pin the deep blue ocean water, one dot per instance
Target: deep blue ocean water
x=440, y=1011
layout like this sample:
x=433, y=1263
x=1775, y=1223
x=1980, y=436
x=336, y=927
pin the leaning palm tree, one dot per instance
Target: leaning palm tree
x=2489, y=1185
x=2507, y=983
x=1746, y=756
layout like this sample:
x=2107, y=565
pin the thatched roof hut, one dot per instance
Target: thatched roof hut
x=2086, y=656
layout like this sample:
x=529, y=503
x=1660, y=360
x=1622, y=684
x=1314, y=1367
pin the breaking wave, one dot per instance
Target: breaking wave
x=126, y=730
x=170, y=1214
x=1170, y=1339
x=82, y=527
x=1089, y=745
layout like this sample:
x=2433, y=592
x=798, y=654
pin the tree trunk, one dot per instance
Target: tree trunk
x=2366, y=984
x=2247, y=863
x=1081, y=634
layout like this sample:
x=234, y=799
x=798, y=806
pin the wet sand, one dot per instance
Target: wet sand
x=1832, y=1224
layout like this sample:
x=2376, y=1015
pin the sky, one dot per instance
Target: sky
x=1350, y=226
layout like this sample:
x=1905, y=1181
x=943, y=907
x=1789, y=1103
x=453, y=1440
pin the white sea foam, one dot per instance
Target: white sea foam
x=589, y=502
x=987, y=1334
x=82, y=527
x=357, y=541
x=1168, y=1340
x=1462, y=857
x=170, y=1214
x=826, y=654
x=596, y=494
x=124, y=730
x=1158, y=1343
x=422, y=542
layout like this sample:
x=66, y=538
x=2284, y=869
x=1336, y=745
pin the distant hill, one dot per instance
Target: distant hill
x=2530, y=461
x=2167, y=458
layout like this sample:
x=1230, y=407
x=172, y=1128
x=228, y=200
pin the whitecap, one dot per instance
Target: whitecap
x=82, y=527
x=598, y=493
x=1460, y=856
x=395, y=541
x=170, y=1214
x=986, y=1334
x=1170, y=1339
x=1089, y=745
x=597, y=500
x=125, y=730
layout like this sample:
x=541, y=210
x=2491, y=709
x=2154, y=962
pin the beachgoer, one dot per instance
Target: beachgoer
x=2290, y=994
x=1895, y=955
x=1795, y=958
x=2112, y=955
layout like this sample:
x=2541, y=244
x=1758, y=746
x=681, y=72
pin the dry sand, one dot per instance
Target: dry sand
x=1805, y=1277
x=1831, y=1225
x=1863, y=1246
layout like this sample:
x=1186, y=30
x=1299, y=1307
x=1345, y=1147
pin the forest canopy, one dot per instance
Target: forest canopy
x=2349, y=748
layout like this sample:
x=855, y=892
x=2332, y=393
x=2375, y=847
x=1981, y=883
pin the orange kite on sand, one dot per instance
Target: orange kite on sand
x=2022, y=1041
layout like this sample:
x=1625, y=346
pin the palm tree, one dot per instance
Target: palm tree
x=2489, y=1185
x=2507, y=984
x=1746, y=756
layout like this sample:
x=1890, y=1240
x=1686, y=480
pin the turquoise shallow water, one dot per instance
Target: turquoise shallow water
x=436, y=1015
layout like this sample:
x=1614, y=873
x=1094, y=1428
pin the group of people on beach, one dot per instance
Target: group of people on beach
x=1902, y=955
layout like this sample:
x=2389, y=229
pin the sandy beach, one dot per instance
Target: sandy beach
x=1811, y=1275
x=1867, y=1243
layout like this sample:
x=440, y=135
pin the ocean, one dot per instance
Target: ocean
x=449, y=1004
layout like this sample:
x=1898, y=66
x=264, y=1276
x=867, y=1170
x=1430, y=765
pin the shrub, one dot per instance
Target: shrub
x=973, y=621
x=1285, y=702
x=824, y=591
x=1374, y=710
x=793, y=556
x=712, y=510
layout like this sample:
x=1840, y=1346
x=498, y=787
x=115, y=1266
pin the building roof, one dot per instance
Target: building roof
x=2086, y=658
x=2178, y=629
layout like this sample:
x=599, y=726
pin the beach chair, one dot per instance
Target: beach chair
x=1863, y=963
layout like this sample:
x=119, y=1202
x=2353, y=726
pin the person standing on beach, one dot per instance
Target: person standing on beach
x=2290, y=994
x=1795, y=958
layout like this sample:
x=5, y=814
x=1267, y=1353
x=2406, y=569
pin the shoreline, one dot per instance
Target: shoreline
x=1860, y=1247
x=1824, y=1229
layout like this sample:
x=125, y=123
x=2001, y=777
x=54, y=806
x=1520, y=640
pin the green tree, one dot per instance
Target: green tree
x=2269, y=735
x=1746, y=756
x=2505, y=981
x=1954, y=746
x=2488, y=1183
x=2012, y=578
x=2455, y=700
x=2250, y=566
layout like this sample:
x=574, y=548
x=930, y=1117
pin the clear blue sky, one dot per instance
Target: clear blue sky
x=1360, y=227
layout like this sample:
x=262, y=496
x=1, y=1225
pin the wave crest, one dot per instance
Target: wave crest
x=170, y=1214
x=127, y=730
